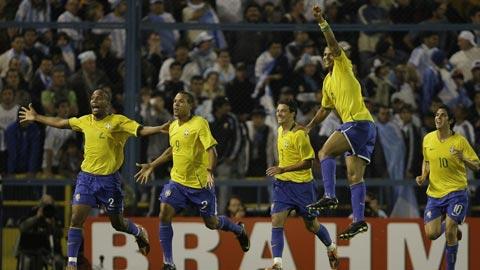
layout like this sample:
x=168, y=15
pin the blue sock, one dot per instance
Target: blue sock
x=328, y=166
x=451, y=255
x=324, y=236
x=132, y=228
x=358, y=201
x=74, y=241
x=277, y=242
x=225, y=224
x=165, y=234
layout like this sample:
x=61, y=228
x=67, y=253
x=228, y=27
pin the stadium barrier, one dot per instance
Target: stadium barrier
x=390, y=244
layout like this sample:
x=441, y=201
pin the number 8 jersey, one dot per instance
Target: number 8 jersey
x=447, y=172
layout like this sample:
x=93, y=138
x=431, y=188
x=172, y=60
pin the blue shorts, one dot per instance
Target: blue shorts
x=454, y=204
x=180, y=196
x=99, y=190
x=289, y=195
x=361, y=137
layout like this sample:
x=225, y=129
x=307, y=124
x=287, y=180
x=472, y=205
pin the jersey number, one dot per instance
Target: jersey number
x=443, y=162
x=177, y=145
x=457, y=209
x=204, y=205
x=110, y=202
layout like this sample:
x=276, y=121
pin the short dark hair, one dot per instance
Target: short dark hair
x=196, y=78
x=190, y=97
x=107, y=93
x=450, y=114
x=175, y=63
x=291, y=103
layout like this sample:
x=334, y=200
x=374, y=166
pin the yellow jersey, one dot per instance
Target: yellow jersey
x=447, y=173
x=293, y=147
x=104, y=141
x=189, y=143
x=342, y=92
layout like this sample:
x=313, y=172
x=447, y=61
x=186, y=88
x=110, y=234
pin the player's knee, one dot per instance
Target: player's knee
x=451, y=235
x=322, y=154
x=310, y=227
x=118, y=226
x=432, y=235
x=76, y=221
x=211, y=225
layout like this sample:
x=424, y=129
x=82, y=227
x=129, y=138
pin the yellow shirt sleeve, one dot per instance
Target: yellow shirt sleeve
x=77, y=123
x=304, y=147
x=205, y=135
x=127, y=125
x=342, y=62
x=468, y=152
x=424, y=147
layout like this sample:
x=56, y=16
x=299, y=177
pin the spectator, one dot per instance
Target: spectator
x=293, y=16
x=16, y=51
x=31, y=47
x=475, y=19
x=272, y=69
x=196, y=88
x=260, y=147
x=70, y=15
x=13, y=80
x=212, y=87
x=224, y=67
x=377, y=85
x=306, y=77
x=387, y=53
x=33, y=11
x=24, y=146
x=412, y=137
x=433, y=81
x=245, y=46
x=201, y=12
x=40, y=240
x=106, y=59
x=171, y=87
x=118, y=36
x=420, y=56
x=189, y=67
x=54, y=140
x=461, y=98
x=239, y=92
x=68, y=53
x=462, y=125
x=402, y=12
x=405, y=86
x=373, y=208
x=158, y=15
x=235, y=208
x=8, y=115
x=71, y=157
x=294, y=49
x=41, y=80
x=229, y=11
x=203, y=54
x=58, y=92
x=474, y=117
x=468, y=53
x=86, y=80
x=473, y=86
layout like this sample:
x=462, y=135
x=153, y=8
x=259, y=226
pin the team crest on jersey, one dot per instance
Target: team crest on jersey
x=186, y=133
x=286, y=144
x=108, y=126
x=77, y=197
x=168, y=193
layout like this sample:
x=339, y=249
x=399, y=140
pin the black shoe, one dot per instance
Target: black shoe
x=142, y=241
x=169, y=267
x=354, y=229
x=323, y=204
x=243, y=238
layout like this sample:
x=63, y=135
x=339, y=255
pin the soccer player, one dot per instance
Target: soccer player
x=356, y=136
x=99, y=181
x=192, y=148
x=446, y=156
x=293, y=187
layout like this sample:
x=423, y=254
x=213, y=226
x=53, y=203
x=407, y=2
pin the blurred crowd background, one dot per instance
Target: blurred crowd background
x=236, y=77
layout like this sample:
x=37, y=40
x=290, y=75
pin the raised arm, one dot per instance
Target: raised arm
x=327, y=31
x=321, y=114
x=29, y=114
x=146, y=169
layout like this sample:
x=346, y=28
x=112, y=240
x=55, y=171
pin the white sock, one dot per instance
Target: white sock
x=332, y=246
x=278, y=261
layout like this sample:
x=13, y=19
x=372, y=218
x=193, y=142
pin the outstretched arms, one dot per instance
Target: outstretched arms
x=29, y=114
x=146, y=131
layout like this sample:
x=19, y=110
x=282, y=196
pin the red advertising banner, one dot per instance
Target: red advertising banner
x=390, y=244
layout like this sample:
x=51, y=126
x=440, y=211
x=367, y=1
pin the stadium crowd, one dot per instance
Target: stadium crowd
x=236, y=77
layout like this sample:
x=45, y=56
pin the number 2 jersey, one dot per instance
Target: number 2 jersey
x=447, y=172
x=190, y=142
